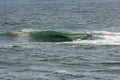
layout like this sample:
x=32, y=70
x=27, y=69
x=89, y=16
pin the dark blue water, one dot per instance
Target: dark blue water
x=92, y=59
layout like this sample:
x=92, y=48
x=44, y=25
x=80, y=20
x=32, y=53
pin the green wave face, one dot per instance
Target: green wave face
x=81, y=36
x=8, y=34
x=47, y=36
x=53, y=36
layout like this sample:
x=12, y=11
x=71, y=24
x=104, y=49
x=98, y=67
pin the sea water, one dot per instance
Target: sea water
x=91, y=59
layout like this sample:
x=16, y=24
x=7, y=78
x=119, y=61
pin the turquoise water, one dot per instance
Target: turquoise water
x=26, y=57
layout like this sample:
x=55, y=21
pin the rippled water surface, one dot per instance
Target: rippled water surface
x=91, y=59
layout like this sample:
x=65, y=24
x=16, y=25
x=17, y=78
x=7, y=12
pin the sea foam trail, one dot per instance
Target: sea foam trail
x=104, y=38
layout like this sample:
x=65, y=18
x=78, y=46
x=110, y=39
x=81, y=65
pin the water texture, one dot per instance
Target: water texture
x=59, y=40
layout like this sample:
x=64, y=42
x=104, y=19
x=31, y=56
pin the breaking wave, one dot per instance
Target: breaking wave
x=45, y=36
x=93, y=37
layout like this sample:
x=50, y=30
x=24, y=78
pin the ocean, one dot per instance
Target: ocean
x=59, y=40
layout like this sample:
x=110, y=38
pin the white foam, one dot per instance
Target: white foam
x=28, y=30
x=105, y=38
x=61, y=71
x=23, y=35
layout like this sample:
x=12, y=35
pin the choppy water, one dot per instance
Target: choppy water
x=91, y=59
